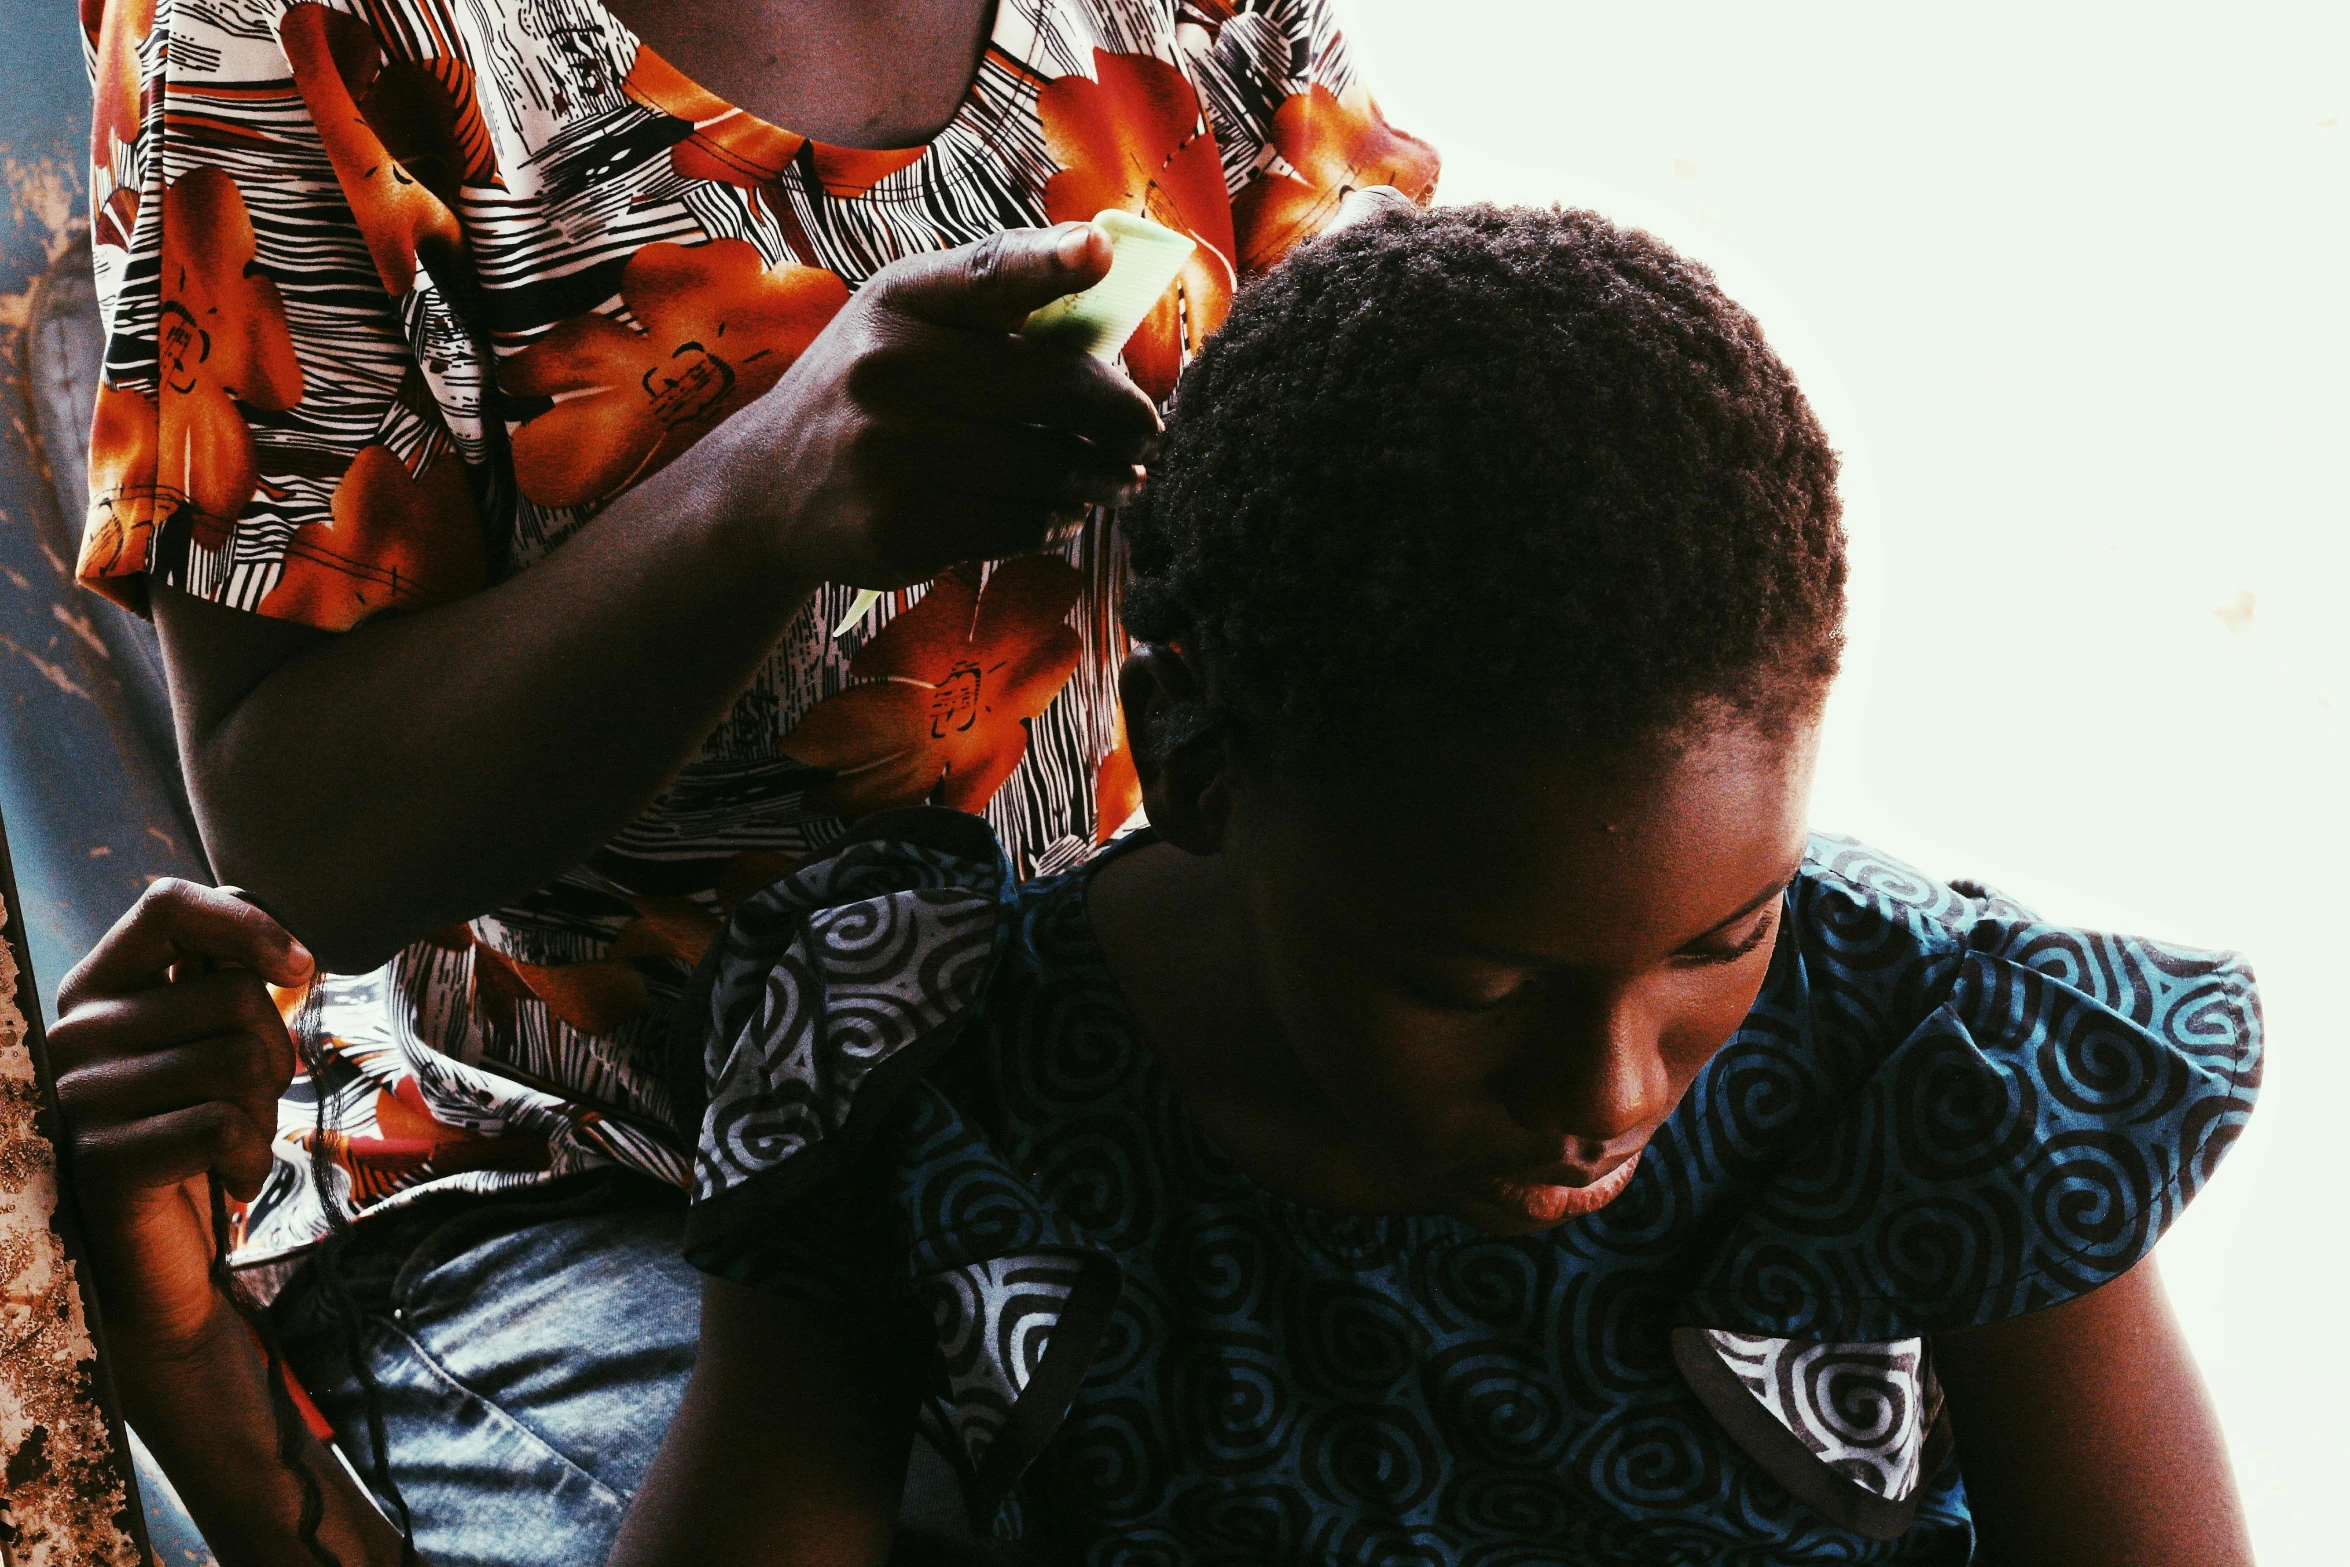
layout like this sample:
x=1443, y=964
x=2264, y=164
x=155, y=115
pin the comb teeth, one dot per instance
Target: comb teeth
x=1144, y=259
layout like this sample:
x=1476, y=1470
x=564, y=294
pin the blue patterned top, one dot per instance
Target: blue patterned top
x=927, y=1103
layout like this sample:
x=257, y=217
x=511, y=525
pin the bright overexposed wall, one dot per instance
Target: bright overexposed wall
x=2069, y=285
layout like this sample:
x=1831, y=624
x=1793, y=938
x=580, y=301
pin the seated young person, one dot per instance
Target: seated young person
x=1477, y=1122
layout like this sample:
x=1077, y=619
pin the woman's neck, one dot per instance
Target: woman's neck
x=855, y=73
x=1170, y=930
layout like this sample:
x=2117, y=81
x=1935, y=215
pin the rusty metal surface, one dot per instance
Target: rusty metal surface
x=66, y=1497
x=88, y=780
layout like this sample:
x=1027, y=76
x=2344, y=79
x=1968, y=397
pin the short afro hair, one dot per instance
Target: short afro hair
x=1503, y=465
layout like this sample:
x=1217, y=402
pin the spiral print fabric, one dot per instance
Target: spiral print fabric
x=1860, y=1408
x=1941, y=1112
x=825, y=977
x=995, y=1322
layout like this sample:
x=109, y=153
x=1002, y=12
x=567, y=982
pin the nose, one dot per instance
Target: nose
x=1592, y=1071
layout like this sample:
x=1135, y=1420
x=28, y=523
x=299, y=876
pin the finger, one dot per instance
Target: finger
x=1007, y=379
x=950, y=526
x=165, y=1149
x=175, y=920
x=1004, y=462
x=992, y=284
x=235, y=1069
x=222, y=1001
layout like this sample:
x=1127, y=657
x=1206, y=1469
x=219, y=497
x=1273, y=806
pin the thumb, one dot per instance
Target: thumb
x=993, y=284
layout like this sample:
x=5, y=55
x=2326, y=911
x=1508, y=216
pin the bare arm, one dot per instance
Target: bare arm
x=169, y=1067
x=789, y=1449
x=2088, y=1439
x=453, y=759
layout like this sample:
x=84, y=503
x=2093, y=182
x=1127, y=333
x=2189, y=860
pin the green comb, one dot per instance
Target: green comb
x=1144, y=259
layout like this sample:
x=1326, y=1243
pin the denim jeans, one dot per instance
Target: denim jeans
x=531, y=1351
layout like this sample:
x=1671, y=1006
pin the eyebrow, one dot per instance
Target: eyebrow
x=1744, y=909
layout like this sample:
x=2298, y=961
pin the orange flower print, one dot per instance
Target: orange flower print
x=753, y=870
x=336, y=63
x=1132, y=137
x=597, y=995
x=1117, y=787
x=714, y=332
x=182, y=463
x=410, y=1144
x=394, y=543
x=1337, y=144
x=739, y=149
x=948, y=687
x=427, y=116
x=114, y=30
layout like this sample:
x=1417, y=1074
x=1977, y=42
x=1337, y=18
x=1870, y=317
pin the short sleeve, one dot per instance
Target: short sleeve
x=2027, y=1108
x=1954, y=1113
x=1296, y=128
x=289, y=419
x=833, y=1168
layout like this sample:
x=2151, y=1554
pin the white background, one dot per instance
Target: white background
x=2069, y=286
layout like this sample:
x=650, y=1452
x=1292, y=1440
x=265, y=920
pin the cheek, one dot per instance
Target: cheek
x=1389, y=1068
x=1703, y=1021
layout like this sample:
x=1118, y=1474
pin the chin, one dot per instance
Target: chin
x=1494, y=1220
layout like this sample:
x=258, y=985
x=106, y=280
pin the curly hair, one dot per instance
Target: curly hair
x=1507, y=465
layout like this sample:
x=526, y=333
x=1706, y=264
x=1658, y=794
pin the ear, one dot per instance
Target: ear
x=1185, y=774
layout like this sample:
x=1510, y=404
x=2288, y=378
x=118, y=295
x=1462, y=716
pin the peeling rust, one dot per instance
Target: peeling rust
x=66, y=1505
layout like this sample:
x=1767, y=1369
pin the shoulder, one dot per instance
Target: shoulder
x=1871, y=927
x=2024, y=1107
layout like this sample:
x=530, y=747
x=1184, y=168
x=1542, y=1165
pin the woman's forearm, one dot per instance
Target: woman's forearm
x=378, y=786
x=453, y=759
x=206, y=1417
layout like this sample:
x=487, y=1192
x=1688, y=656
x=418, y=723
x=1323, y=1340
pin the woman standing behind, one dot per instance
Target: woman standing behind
x=501, y=410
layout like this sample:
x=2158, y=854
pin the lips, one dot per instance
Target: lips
x=1547, y=1203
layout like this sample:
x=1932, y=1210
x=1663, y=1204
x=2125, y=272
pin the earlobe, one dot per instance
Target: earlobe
x=1182, y=770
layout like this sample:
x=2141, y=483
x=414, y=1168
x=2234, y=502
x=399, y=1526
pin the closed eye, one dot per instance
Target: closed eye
x=1713, y=950
x=1455, y=997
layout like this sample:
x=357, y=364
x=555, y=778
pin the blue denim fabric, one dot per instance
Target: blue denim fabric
x=531, y=1353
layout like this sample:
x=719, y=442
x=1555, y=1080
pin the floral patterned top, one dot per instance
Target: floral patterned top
x=398, y=293
x=927, y=1105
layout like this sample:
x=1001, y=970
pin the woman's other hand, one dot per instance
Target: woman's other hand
x=170, y=1057
x=920, y=430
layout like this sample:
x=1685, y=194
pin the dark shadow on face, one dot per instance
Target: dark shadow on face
x=1477, y=975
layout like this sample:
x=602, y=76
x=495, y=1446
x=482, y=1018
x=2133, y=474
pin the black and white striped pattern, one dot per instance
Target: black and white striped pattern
x=571, y=176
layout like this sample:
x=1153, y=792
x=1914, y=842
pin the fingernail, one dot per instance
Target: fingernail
x=1075, y=241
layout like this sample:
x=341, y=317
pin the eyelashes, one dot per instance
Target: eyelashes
x=1441, y=1000
x=1764, y=928
x=1443, y=997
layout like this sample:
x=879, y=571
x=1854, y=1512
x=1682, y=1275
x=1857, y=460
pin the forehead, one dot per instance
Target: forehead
x=1526, y=851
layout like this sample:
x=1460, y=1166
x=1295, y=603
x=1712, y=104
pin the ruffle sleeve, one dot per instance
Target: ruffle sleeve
x=825, y=996
x=814, y=1020
x=2027, y=1109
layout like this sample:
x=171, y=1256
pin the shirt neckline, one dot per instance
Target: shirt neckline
x=999, y=20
